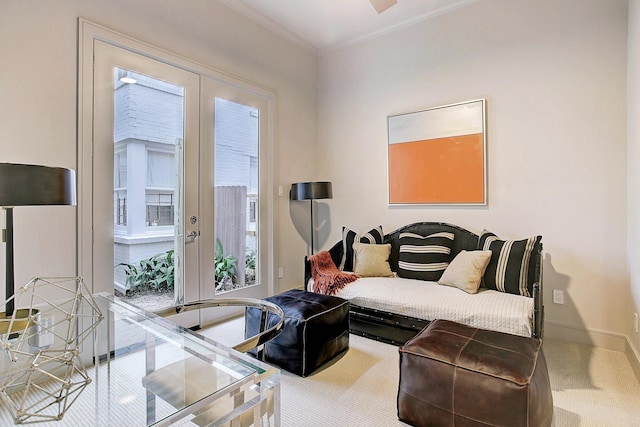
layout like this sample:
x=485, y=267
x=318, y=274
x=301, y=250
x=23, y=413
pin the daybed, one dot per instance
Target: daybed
x=394, y=309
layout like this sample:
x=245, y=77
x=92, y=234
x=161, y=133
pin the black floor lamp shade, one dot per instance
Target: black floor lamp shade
x=30, y=185
x=310, y=191
x=33, y=185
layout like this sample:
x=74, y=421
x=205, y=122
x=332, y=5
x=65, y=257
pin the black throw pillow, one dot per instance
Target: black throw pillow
x=424, y=258
x=349, y=237
x=512, y=265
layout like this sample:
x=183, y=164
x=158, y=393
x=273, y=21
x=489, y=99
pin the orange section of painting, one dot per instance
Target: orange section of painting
x=442, y=170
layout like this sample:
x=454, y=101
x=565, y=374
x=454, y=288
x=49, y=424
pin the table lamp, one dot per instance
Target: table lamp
x=310, y=191
x=29, y=185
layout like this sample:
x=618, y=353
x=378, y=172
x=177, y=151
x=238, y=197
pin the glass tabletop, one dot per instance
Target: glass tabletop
x=144, y=370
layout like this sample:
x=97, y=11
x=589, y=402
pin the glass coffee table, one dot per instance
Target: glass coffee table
x=145, y=370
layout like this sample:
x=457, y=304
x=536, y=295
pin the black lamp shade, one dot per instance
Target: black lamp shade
x=32, y=185
x=311, y=190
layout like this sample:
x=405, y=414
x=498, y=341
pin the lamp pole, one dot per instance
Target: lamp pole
x=311, y=207
x=9, y=276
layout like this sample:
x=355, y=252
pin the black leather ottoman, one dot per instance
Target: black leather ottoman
x=316, y=329
x=456, y=375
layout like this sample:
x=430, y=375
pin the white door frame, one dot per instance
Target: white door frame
x=88, y=32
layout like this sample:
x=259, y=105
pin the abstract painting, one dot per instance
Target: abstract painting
x=438, y=156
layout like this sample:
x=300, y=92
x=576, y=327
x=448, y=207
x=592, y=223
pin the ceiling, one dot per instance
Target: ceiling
x=330, y=24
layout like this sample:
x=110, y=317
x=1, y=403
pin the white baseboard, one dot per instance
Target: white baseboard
x=595, y=338
x=585, y=336
x=634, y=358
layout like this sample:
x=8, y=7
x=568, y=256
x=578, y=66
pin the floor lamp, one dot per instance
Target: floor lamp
x=29, y=185
x=311, y=191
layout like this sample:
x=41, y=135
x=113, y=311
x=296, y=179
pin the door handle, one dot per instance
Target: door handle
x=191, y=237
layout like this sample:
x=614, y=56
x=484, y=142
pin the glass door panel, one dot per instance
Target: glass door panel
x=145, y=122
x=236, y=160
x=148, y=137
x=236, y=194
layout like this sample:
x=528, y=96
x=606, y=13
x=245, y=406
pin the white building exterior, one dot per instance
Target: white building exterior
x=148, y=123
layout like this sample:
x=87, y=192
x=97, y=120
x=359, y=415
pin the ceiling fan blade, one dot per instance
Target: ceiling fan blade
x=382, y=5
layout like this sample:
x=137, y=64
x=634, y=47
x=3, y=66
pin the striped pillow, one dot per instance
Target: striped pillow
x=512, y=265
x=374, y=236
x=424, y=258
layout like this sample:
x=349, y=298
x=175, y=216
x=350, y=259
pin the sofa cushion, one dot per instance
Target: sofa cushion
x=372, y=260
x=349, y=237
x=512, y=265
x=488, y=309
x=466, y=270
x=424, y=258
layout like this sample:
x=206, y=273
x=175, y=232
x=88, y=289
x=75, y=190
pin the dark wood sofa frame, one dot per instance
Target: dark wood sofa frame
x=396, y=329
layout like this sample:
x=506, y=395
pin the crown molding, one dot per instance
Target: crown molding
x=258, y=18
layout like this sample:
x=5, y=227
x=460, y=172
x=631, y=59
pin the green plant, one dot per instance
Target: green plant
x=250, y=259
x=225, y=265
x=155, y=273
x=250, y=264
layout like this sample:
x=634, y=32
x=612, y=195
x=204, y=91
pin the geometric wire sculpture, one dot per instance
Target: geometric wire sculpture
x=42, y=374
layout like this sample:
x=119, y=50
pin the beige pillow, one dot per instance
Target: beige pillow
x=372, y=260
x=466, y=270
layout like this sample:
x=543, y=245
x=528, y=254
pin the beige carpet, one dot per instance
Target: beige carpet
x=592, y=387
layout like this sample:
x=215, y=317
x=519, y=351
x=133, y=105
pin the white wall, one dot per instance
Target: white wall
x=553, y=73
x=38, y=54
x=633, y=160
x=554, y=76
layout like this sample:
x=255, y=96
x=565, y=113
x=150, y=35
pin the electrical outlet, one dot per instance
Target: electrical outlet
x=635, y=322
x=280, y=191
x=558, y=296
x=280, y=272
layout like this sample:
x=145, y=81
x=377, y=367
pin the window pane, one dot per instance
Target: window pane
x=148, y=129
x=160, y=208
x=120, y=170
x=161, y=169
x=236, y=194
x=120, y=204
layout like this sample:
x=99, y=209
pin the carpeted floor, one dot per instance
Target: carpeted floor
x=592, y=387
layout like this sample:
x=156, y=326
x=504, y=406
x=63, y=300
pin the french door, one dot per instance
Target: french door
x=175, y=168
x=236, y=130
x=144, y=154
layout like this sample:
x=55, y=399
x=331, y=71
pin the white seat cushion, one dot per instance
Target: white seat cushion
x=488, y=309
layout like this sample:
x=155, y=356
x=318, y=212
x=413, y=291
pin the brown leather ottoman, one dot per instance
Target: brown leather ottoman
x=456, y=375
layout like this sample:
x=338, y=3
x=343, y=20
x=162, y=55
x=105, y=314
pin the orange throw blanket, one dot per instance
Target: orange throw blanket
x=327, y=279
